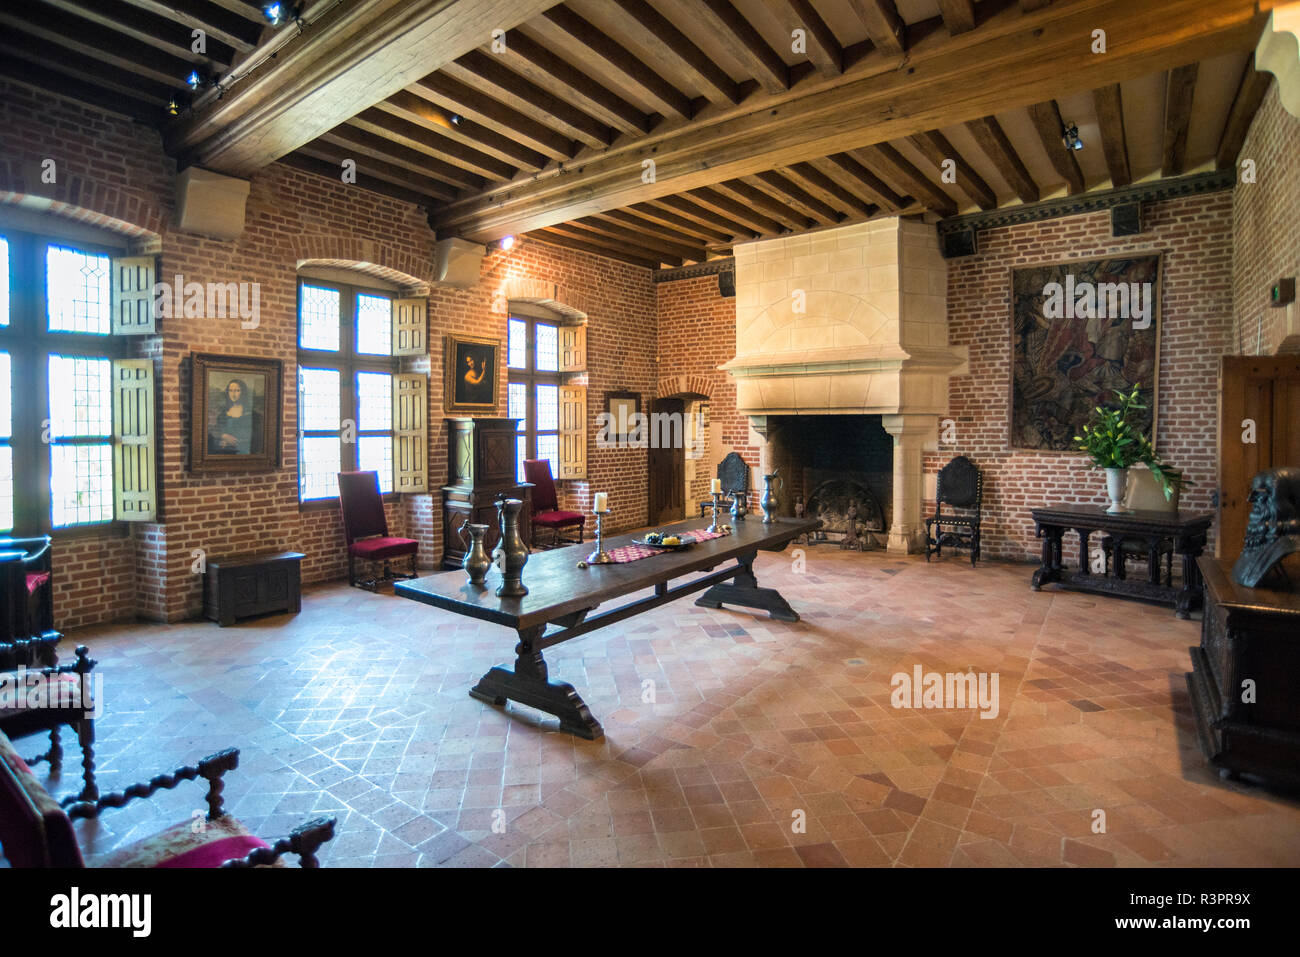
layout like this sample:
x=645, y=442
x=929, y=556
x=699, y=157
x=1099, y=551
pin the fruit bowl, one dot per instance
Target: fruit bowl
x=670, y=543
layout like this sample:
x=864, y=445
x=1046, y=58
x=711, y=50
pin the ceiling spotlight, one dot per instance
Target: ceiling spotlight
x=455, y=119
x=504, y=244
x=173, y=107
x=196, y=80
x=1070, y=137
x=278, y=13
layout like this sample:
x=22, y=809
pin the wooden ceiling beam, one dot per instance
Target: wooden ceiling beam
x=621, y=64
x=1050, y=127
x=644, y=259
x=81, y=79
x=789, y=192
x=831, y=192
x=958, y=15
x=745, y=43
x=676, y=221
x=165, y=35
x=852, y=175
x=764, y=211
x=416, y=109
x=899, y=168
x=884, y=26
x=508, y=123
x=1029, y=6
x=301, y=159
x=536, y=62
x=993, y=141
x=362, y=143
x=673, y=48
x=742, y=212
x=352, y=56
x=824, y=50
x=485, y=74
x=693, y=211
x=1180, y=90
x=599, y=241
x=682, y=237
x=641, y=237
x=1010, y=61
x=1250, y=93
x=1109, y=106
x=431, y=190
x=234, y=31
x=439, y=147
x=934, y=146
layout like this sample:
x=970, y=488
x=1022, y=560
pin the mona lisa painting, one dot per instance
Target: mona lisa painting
x=471, y=369
x=235, y=413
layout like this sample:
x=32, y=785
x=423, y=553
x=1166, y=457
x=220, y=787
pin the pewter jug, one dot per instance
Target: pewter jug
x=739, y=508
x=476, y=562
x=771, y=500
x=514, y=553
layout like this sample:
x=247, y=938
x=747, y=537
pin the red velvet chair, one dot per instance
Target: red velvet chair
x=546, y=507
x=366, y=529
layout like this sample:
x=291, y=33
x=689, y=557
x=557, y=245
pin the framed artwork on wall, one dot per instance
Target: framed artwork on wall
x=470, y=367
x=621, y=406
x=234, y=413
x=1081, y=333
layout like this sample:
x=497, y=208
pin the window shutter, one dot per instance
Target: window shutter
x=133, y=296
x=410, y=440
x=573, y=348
x=410, y=325
x=135, y=487
x=573, y=432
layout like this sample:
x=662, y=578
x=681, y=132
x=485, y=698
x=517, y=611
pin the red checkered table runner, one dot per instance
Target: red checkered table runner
x=634, y=553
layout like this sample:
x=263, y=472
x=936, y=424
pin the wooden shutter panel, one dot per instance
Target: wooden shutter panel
x=410, y=327
x=573, y=348
x=573, y=432
x=410, y=437
x=135, y=485
x=133, y=296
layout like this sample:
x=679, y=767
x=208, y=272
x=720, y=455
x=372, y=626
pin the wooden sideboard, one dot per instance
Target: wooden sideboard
x=1247, y=635
x=481, y=468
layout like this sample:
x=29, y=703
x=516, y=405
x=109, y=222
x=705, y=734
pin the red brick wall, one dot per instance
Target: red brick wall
x=1195, y=236
x=112, y=172
x=1266, y=241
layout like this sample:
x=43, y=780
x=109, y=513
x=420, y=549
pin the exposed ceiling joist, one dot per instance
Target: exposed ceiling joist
x=746, y=44
x=233, y=30
x=1250, y=93
x=990, y=137
x=1179, y=92
x=934, y=146
x=1050, y=128
x=674, y=49
x=1109, y=107
x=408, y=106
x=884, y=26
x=958, y=15
x=824, y=50
x=441, y=90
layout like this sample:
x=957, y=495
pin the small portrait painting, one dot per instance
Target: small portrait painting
x=236, y=405
x=471, y=373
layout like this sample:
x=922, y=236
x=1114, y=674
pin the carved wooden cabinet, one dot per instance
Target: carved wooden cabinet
x=1248, y=635
x=481, y=468
x=245, y=585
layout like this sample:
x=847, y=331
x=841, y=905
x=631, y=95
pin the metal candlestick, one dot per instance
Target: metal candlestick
x=717, y=504
x=600, y=556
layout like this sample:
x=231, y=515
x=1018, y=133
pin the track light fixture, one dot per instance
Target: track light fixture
x=197, y=79
x=278, y=13
x=1070, y=137
x=504, y=244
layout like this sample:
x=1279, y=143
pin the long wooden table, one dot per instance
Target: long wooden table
x=562, y=596
x=1157, y=532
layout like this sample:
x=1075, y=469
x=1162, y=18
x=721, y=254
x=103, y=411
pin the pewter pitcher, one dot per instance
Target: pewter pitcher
x=771, y=499
x=477, y=561
x=512, y=548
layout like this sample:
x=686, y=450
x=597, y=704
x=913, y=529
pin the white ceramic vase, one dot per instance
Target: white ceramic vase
x=1116, y=483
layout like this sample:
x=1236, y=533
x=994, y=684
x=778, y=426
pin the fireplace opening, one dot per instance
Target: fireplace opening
x=841, y=469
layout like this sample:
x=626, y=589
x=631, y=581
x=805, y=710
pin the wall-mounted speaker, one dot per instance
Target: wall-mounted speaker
x=959, y=243
x=1126, y=220
x=727, y=284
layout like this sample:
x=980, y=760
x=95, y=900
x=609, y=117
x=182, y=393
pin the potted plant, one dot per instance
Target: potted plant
x=1113, y=442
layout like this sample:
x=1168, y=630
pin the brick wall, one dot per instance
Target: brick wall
x=1264, y=218
x=1195, y=236
x=113, y=173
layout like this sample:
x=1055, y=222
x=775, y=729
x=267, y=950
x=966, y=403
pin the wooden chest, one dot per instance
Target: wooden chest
x=246, y=585
x=1245, y=677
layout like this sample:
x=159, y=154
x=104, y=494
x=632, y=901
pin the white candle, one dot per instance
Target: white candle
x=602, y=499
x=716, y=486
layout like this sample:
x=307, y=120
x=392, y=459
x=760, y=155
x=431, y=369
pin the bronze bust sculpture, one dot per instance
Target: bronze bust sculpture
x=1273, y=530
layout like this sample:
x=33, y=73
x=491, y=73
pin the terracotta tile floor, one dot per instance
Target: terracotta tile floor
x=357, y=708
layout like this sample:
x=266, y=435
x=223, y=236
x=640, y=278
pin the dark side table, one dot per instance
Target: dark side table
x=245, y=585
x=1155, y=532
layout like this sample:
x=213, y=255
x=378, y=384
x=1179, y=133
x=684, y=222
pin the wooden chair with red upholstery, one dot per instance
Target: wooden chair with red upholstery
x=35, y=831
x=365, y=526
x=35, y=614
x=547, y=513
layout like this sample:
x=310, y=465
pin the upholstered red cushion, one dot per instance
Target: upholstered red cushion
x=34, y=830
x=66, y=694
x=35, y=580
x=558, y=519
x=384, y=547
x=196, y=842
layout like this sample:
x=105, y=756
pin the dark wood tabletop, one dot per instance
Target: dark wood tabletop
x=558, y=587
x=1070, y=515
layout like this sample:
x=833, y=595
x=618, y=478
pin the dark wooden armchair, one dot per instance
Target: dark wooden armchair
x=547, y=513
x=365, y=526
x=960, y=486
x=30, y=610
x=36, y=831
x=734, y=475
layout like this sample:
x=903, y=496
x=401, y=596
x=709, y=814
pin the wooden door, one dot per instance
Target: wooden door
x=667, y=462
x=1263, y=393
